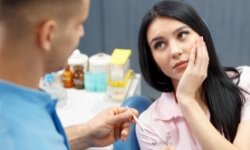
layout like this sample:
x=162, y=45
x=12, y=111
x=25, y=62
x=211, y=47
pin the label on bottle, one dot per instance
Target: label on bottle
x=66, y=79
x=77, y=81
x=79, y=84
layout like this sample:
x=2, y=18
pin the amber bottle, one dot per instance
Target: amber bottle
x=78, y=77
x=67, y=78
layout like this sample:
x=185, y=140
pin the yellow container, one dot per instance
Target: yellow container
x=119, y=64
x=121, y=83
x=117, y=90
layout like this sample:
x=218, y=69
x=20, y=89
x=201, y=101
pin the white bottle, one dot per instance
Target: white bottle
x=78, y=58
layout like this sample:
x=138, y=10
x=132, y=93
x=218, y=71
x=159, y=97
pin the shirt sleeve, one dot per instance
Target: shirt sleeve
x=147, y=139
x=245, y=84
x=6, y=140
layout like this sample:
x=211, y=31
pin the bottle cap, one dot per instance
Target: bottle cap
x=49, y=78
x=77, y=58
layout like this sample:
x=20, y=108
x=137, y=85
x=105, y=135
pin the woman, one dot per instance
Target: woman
x=203, y=105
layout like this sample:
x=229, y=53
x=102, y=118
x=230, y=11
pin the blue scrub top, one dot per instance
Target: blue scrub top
x=28, y=120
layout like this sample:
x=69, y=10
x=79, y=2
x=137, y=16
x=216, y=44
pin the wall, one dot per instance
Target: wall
x=115, y=24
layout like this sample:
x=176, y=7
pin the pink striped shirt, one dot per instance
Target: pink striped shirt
x=164, y=117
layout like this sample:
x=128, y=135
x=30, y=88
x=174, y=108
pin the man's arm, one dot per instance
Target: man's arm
x=78, y=136
x=106, y=128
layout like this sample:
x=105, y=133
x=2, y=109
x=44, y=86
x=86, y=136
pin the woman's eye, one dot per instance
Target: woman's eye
x=159, y=45
x=182, y=35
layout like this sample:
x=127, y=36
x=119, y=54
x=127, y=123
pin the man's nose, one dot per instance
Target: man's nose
x=81, y=31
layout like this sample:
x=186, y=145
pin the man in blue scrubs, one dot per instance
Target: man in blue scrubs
x=37, y=37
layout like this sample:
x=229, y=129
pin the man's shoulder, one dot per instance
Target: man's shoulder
x=27, y=128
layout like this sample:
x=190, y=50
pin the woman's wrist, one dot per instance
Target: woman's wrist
x=186, y=102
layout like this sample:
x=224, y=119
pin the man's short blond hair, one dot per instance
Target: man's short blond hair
x=19, y=16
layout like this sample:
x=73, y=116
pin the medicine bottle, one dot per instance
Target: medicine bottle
x=78, y=77
x=67, y=78
x=78, y=58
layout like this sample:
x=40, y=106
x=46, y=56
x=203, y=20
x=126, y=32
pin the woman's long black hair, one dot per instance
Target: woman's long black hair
x=223, y=98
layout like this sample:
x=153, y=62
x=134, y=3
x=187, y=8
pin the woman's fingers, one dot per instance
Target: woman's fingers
x=192, y=57
x=206, y=57
x=199, y=56
x=201, y=60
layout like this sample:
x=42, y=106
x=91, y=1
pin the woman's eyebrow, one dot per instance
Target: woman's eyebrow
x=174, y=32
x=179, y=29
x=156, y=39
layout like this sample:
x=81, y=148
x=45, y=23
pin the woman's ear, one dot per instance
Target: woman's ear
x=45, y=34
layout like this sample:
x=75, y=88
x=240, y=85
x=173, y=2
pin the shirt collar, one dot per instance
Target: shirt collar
x=10, y=89
x=167, y=108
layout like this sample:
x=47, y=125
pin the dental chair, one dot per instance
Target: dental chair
x=140, y=103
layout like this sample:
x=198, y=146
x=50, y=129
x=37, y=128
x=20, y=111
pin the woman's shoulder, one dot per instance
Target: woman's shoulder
x=244, y=70
x=164, y=97
x=155, y=108
x=244, y=76
x=245, y=84
x=243, y=80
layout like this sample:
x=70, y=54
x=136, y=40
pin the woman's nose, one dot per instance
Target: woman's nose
x=176, y=50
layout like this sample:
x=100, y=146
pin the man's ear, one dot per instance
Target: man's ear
x=46, y=32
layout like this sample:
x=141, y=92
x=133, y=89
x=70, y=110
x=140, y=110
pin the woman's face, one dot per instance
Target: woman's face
x=171, y=42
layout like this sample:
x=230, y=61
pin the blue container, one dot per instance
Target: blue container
x=95, y=81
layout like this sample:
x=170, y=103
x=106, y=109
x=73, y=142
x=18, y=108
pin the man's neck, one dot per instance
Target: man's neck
x=20, y=70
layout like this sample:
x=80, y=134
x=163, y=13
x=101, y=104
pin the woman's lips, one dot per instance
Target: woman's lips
x=180, y=65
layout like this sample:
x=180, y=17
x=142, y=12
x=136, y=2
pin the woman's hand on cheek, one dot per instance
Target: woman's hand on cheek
x=168, y=148
x=195, y=73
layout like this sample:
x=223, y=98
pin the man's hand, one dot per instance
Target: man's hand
x=111, y=125
x=106, y=128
